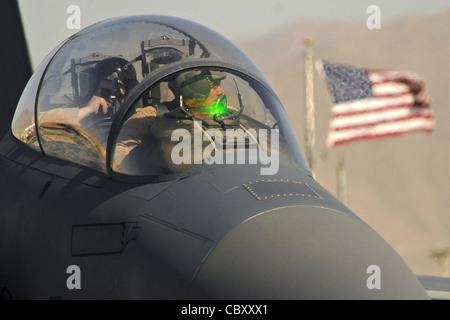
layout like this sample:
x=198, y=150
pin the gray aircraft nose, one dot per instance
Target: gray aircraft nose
x=306, y=252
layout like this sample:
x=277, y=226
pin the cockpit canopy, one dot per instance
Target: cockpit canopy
x=123, y=96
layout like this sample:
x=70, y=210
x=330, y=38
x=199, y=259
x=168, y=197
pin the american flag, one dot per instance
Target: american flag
x=370, y=104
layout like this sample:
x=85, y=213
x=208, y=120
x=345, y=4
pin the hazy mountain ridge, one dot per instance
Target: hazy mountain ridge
x=399, y=186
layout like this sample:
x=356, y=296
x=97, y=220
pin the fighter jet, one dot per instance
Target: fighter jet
x=150, y=158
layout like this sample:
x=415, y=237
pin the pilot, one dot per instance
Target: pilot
x=114, y=78
x=202, y=96
x=201, y=92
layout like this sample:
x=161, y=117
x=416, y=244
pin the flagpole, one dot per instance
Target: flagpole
x=442, y=258
x=341, y=173
x=309, y=94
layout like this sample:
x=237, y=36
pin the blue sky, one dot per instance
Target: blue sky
x=45, y=20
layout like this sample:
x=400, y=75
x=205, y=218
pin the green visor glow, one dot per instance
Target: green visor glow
x=218, y=108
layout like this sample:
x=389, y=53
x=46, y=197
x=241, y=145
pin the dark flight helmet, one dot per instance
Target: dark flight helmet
x=119, y=72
